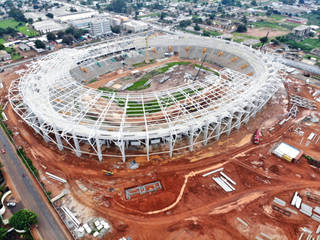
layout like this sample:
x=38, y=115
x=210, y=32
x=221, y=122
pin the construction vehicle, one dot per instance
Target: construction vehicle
x=256, y=137
x=108, y=172
x=147, y=59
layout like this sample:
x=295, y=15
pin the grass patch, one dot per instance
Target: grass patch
x=19, y=26
x=29, y=32
x=277, y=17
x=27, y=161
x=135, y=109
x=2, y=41
x=93, y=80
x=105, y=89
x=311, y=42
x=140, y=84
x=141, y=64
x=207, y=69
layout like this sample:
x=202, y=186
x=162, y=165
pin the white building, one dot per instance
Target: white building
x=135, y=26
x=100, y=26
x=76, y=16
x=48, y=26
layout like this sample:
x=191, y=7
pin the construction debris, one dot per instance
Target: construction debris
x=281, y=210
x=302, y=102
x=56, y=177
x=150, y=187
x=279, y=201
x=244, y=223
x=214, y=171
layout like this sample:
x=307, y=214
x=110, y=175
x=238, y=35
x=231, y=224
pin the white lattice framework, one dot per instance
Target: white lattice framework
x=72, y=115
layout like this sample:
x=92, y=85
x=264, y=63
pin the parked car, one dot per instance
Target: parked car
x=11, y=204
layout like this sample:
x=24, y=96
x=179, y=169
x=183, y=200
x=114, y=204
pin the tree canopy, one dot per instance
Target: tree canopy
x=40, y=44
x=23, y=220
x=241, y=28
x=51, y=36
x=17, y=15
x=118, y=6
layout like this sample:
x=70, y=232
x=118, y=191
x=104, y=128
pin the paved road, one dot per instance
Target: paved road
x=48, y=226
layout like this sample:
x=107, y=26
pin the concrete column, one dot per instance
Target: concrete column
x=238, y=123
x=76, y=144
x=148, y=147
x=43, y=131
x=247, y=117
x=218, y=128
x=191, y=139
x=58, y=138
x=123, y=152
x=205, y=133
x=170, y=147
x=98, y=145
x=229, y=124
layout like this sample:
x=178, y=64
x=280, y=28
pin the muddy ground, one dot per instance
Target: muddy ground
x=190, y=206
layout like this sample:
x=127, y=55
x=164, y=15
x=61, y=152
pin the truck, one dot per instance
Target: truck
x=256, y=137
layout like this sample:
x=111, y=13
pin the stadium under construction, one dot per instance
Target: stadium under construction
x=51, y=96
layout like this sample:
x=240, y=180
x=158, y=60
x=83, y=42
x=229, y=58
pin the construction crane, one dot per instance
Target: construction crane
x=147, y=59
x=266, y=41
x=204, y=58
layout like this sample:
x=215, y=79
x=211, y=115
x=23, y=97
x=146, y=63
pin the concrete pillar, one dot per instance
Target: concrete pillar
x=205, y=133
x=170, y=146
x=98, y=145
x=58, y=138
x=122, y=149
x=218, y=128
x=147, y=147
x=238, y=123
x=229, y=124
x=191, y=139
x=43, y=131
x=76, y=144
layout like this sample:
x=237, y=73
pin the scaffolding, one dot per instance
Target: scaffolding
x=69, y=114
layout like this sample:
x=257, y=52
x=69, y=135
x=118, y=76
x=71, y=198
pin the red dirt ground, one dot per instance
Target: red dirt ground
x=191, y=206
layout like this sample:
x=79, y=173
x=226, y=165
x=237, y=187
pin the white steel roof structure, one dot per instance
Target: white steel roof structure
x=64, y=111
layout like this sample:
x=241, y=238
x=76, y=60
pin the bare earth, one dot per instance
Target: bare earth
x=190, y=206
x=262, y=32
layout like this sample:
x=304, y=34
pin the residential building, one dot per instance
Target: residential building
x=100, y=26
x=302, y=31
x=135, y=26
x=4, y=56
x=24, y=47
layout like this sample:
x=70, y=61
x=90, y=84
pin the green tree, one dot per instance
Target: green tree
x=67, y=39
x=162, y=15
x=206, y=33
x=264, y=40
x=23, y=220
x=2, y=47
x=40, y=44
x=51, y=36
x=118, y=6
x=254, y=3
x=196, y=27
x=60, y=34
x=115, y=29
x=49, y=15
x=17, y=15
x=241, y=28
x=3, y=233
x=30, y=20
